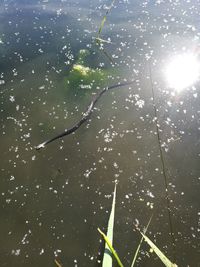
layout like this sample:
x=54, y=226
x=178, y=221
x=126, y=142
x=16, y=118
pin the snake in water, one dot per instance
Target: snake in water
x=85, y=116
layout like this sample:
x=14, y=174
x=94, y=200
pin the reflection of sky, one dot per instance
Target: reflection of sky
x=52, y=202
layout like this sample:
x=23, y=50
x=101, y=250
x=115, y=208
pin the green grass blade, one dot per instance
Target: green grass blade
x=104, y=19
x=112, y=250
x=107, y=258
x=141, y=240
x=101, y=26
x=98, y=39
x=112, y=217
x=158, y=252
x=57, y=263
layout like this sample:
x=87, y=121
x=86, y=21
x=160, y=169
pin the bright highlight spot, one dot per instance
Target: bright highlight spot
x=182, y=71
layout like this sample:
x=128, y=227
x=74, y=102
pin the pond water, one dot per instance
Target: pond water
x=53, y=200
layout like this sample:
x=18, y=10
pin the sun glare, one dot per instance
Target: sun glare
x=182, y=71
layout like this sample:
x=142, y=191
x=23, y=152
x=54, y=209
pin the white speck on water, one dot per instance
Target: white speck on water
x=140, y=103
x=87, y=173
x=115, y=165
x=195, y=95
x=57, y=251
x=169, y=103
x=42, y=87
x=16, y=252
x=41, y=251
x=150, y=194
x=24, y=239
x=12, y=98
x=150, y=205
x=12, y=178
x=137, y=222
x=2, y=82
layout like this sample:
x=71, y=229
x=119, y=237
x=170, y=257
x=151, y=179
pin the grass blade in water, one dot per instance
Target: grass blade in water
x=159, y=253
x=112, y=250
x=98, y=39
x=138, y=248
x=107, y=258
x=104, y=19
x=101, y=26
x=57, y=263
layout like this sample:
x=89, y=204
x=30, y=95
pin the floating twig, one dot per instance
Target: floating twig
x=85, y=116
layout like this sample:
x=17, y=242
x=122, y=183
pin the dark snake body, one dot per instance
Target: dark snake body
x=85, y=117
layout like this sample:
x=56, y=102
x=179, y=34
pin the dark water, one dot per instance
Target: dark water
x=53, y=201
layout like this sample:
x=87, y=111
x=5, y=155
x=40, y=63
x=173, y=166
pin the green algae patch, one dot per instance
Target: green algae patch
x=83, y=78
x=81, y=69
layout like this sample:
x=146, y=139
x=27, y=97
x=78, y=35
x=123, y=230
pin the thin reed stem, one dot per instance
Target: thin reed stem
x=163, y=167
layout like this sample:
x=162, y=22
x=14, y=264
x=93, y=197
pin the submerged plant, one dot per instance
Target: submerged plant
x=83, y=78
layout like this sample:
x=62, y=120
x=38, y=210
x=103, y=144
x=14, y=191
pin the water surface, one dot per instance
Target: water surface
x=52, y=201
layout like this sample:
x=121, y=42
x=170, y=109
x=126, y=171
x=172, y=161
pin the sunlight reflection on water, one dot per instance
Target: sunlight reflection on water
x=182, y=71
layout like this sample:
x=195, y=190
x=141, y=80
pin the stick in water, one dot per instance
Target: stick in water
x=85, y=117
